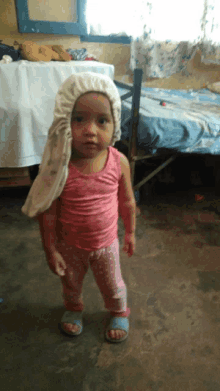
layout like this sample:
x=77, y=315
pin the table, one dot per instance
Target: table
x=27, y=98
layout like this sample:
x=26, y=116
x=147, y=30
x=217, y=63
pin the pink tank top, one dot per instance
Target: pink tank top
x=88, y=217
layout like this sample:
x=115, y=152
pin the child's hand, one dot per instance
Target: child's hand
x=56, y=263
x=129, y=244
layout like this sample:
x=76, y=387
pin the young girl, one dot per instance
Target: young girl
x=83, y=182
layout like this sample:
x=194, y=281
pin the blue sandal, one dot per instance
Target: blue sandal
x=73, y=317
x=117, y=323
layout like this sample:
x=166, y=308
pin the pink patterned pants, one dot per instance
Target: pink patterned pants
x=106, y=269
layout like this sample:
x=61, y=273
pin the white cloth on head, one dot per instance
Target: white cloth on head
x=53, y=170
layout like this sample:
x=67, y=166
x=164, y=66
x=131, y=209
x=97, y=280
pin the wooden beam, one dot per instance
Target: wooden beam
x=141, y=183
x=135, y=119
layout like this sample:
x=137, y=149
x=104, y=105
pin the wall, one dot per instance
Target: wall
x=64, y=11
x=118, y=55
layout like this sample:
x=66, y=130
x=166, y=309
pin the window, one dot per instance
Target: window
x=107, y=21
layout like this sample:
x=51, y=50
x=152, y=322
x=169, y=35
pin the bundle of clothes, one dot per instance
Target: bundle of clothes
x=31, y=51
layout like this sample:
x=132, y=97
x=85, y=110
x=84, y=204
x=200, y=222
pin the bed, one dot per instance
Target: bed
x=188, y=123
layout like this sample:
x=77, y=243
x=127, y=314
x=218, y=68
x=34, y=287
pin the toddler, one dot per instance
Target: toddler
x=83, y=183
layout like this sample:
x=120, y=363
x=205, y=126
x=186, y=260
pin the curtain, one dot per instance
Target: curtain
x=165, y=33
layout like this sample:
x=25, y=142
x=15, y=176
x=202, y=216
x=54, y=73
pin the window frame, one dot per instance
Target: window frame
x=120, y=39
x=27, y=25
x=79, y=28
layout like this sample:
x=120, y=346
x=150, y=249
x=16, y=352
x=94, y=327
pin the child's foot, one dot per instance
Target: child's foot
x=71, y=322
x=117, y=330
x=73, y=328
x=70, y=328
x=116, y=334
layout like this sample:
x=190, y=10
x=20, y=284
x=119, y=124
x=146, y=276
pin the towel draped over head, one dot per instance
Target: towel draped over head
x=53, y=170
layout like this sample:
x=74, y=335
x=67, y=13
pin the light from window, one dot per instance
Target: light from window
x=168, y=19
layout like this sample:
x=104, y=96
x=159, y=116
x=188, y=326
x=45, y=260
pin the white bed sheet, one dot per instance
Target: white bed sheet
x=27, y=97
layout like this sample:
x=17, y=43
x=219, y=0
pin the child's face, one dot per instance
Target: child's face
x=92, y=121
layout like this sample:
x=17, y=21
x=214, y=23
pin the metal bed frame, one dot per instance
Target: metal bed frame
x=135, y=93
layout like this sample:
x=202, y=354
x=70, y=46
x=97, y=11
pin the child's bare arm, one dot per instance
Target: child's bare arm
x=127, y=203
x=47, y=224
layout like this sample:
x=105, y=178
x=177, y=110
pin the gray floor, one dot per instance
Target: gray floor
x=173, y=284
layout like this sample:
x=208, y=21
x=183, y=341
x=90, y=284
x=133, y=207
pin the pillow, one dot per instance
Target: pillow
x=31, y=51
x=214, y=87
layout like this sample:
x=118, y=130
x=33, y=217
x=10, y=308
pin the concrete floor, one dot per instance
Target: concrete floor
x=173, y=283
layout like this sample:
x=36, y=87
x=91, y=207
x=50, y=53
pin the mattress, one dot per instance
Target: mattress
x=189, y=122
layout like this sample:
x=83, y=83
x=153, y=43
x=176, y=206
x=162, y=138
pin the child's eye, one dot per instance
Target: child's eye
x=78, y=119
x=103, y=120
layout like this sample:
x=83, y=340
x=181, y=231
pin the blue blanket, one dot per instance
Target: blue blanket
x=188, y=123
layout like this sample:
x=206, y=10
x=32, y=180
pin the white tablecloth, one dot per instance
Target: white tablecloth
x=27, y=97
